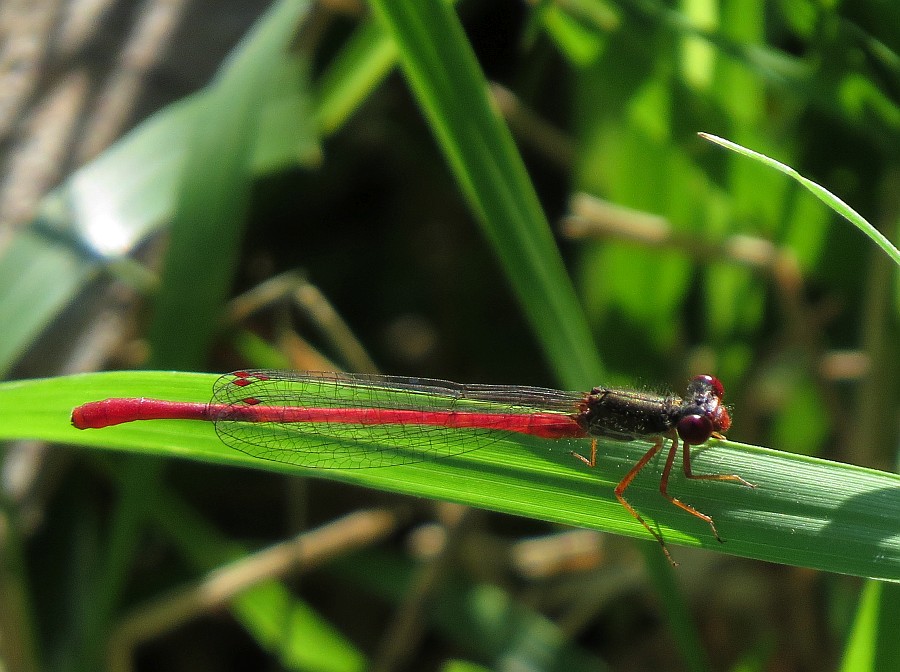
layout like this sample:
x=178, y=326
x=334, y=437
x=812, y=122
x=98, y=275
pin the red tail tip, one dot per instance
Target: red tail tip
x=80, y=419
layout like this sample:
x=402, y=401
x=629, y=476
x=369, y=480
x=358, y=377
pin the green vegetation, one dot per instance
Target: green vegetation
x=375, y=169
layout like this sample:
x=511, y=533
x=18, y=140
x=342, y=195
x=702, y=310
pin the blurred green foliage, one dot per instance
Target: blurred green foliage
x=433, y=230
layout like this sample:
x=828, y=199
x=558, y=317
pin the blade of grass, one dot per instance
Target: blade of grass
x=873, y=644
x=214, y=193
x=805, y=511
x=862, y=648
x=39, y=277
x=453, y=94
x=820, y=192
x=365, y=60
x=107, y=207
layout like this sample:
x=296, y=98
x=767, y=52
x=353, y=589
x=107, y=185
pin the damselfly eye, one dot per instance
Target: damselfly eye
x=709, y=382
x=695, y=429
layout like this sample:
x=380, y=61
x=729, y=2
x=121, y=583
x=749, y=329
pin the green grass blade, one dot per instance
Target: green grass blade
x=39, y=278
x=872, y=645
x=862, y=646
x=127, y=193
x=366, y=59
x=215, y=190
x=453, y=94
x=820, y=192
x=805, y=511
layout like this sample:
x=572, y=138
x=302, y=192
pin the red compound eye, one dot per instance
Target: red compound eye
x=711, y=382
x=695, y=429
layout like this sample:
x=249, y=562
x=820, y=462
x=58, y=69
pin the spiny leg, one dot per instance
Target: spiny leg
x=664, y=486
x=686, y=464
x=688, y=472
x=629, y=477
x=589, y=462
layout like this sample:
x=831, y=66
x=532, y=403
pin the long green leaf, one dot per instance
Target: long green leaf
x=805, y=511
x=214, y=193
x=453, y=93
x=820, y=192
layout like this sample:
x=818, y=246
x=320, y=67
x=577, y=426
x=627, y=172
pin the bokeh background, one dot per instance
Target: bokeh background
x=206, y=186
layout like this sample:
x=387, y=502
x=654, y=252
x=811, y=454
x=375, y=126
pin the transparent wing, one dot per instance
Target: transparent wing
x=341, y=443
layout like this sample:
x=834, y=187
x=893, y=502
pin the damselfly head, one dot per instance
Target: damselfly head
x=703, y=413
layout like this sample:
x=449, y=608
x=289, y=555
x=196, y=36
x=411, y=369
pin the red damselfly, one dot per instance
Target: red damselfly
x=349, y=421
